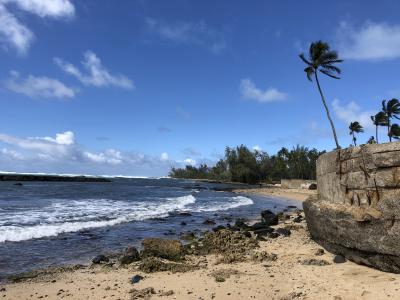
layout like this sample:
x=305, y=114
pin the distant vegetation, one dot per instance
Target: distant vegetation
x=243, y=165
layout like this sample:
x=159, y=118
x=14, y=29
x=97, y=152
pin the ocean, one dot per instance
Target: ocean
x=56, y=223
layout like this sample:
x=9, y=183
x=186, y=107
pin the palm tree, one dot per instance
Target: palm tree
x=380, y=119
x=392, y=110
x=395, y=132
x=355, y=127
x=321, y=58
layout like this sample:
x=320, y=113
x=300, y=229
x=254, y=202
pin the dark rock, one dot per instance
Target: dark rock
x=298, y=219
x=319, y=252
x=218, y=228
x=264, y=231
x=315, y=262
x=136, y=278
x=163, y=248
x=273, y=235
x=100, y=259
x=208, y=222
x=312, y=186
x=130, y=255
x=291, y=206
x=247, y=234
x=3, y=289
x=241, y=224
x=183, y=223
x=339, y=259
x=283, y=231
x=269, y=218
x=260, y=238
x=18, y=184
x=185, y=214
x=258, y=226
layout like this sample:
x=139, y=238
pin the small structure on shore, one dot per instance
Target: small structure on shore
x=296, y=183
x=357, y=210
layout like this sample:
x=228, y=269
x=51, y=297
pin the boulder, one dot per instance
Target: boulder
x=269, y=218
x=283, y=231
x=208, y=222
x=163, y=248
x=100, y=259
x=130, y=255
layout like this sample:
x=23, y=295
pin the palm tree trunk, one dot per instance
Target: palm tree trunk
x=327, y=110
x=376, y=134
x=354, y=140
x=390, y=138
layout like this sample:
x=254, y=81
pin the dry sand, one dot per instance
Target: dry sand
x=292, y=194
x=284, y=278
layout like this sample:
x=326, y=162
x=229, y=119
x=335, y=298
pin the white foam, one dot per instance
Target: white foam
x=71, y=216
x=229, y=203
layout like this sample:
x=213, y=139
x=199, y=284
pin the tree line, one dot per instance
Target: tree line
x=240, y=164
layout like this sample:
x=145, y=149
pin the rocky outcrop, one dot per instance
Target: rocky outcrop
x=357, y=210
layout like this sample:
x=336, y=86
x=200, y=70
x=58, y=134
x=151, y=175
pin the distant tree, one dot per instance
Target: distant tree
x=391, y=109
x=394, y=131
x=355, y=127
x=380, y=119
x=321, y=58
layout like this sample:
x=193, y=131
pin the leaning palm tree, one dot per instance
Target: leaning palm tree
x=392, y=110
x=380, y=119
x=355, y=127
x=395, y=132
x=321, y=58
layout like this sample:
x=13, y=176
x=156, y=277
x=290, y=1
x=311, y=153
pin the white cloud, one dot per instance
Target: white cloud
x=257, y=148
x=110, y=156
x=97, y=75
x=65, y=138
x=190, y=161
x=11, y=154
x=37, y=87
x=353, y=112
x=372, y=41
x=251, y=92
x=193, y=33
x=164, y=156
x=18, y=36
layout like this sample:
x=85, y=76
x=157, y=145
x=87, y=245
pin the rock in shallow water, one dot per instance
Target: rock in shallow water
x=269, y=218
x=130, y=255
x=100, y=259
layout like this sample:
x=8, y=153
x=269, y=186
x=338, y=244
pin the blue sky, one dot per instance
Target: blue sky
x=134, y=87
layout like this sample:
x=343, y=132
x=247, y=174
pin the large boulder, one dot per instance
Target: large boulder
x=162, y=248
x=357, y=211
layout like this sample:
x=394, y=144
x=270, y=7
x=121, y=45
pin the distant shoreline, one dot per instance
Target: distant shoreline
x=52, y=178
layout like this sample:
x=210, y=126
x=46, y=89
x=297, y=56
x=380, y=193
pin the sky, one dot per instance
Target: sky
x=134, y=87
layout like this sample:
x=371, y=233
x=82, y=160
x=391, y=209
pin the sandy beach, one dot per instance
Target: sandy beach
x=292, y=194
x=286, y=267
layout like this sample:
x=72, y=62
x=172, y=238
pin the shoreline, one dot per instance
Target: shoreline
x=290, y=194
x=289, y=266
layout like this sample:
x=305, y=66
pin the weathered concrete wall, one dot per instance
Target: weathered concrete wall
x=295, y=183
x=357, y=211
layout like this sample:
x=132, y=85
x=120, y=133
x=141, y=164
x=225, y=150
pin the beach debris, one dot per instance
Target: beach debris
x=292, y=295
x=166, y=293
x=145, y=293
x=162, y=248
x=263, y=256
x=319, y=252
x=153, y=264
x=315, y=262
x=269, y=218
x=136, y=278
x=100, y=259
x=209, y=222
x=130, y=255
x=283, y=231
x=339, y=259
x=223, y=274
